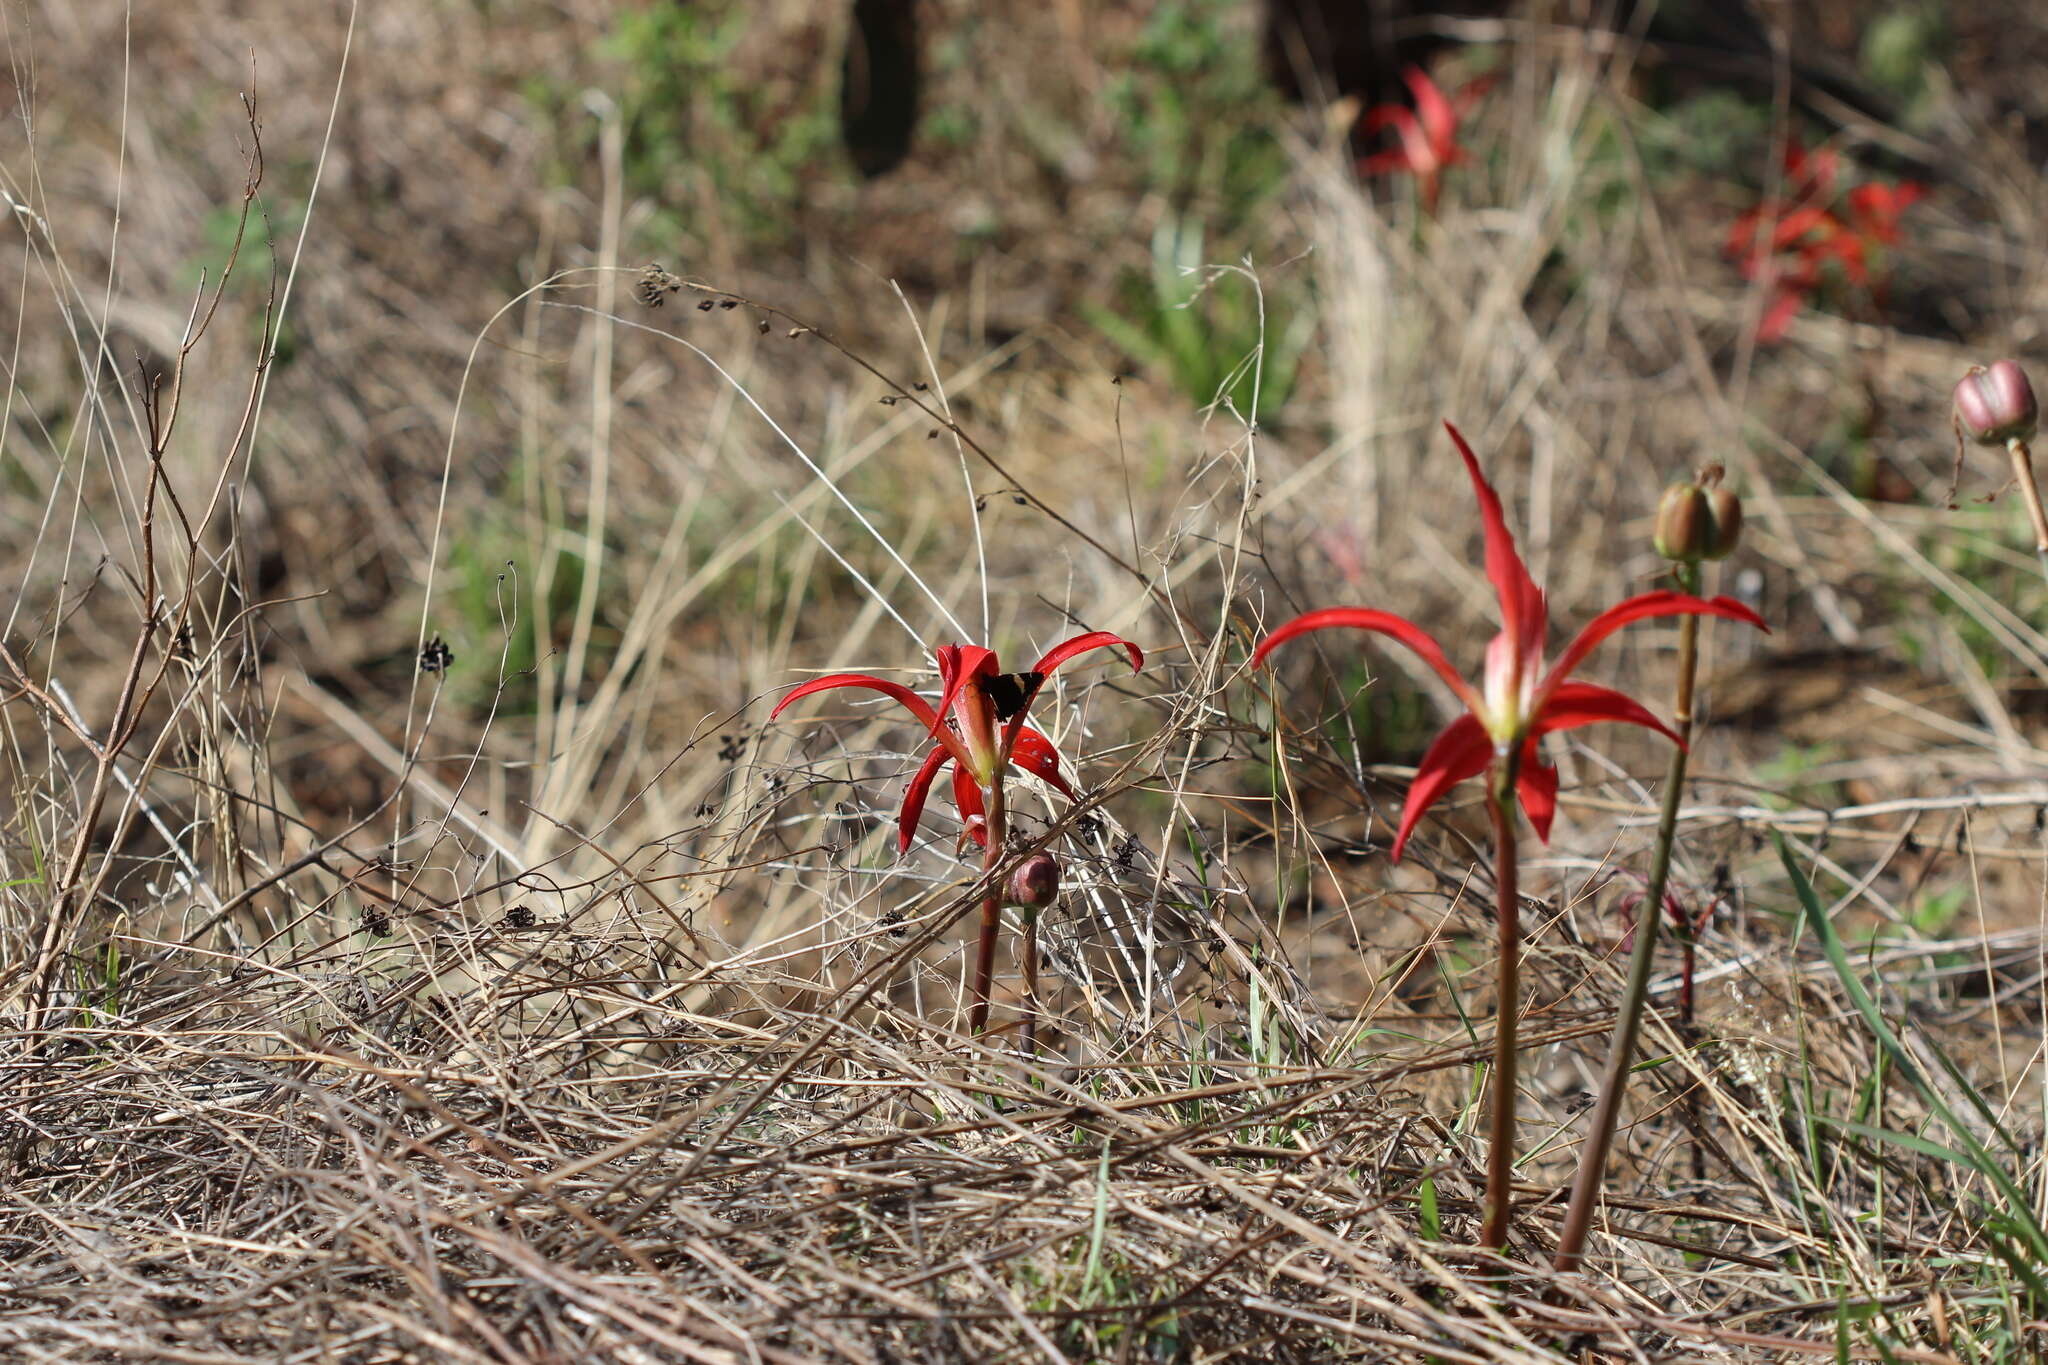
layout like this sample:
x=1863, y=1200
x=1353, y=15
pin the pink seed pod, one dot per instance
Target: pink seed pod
x=1995, y=405
x=1034, y=883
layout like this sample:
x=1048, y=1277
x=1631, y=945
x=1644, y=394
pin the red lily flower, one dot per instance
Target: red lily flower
x=978, y=725
x=1519, y=700
x=1428, y=135
x=1805, y=235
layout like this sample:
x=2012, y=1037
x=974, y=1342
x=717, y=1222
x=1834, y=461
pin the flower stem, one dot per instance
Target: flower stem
x=1500, y=1151
x=1031, y=981
x=1578, y=1216
x=991, y=908
x=2023, y=473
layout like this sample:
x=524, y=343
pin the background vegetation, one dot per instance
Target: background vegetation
x=547, y=1003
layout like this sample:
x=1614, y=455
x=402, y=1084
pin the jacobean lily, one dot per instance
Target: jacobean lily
x=979, y=727
x=1518, y=701
x=1428, y=135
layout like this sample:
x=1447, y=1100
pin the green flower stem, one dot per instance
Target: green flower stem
x=1500, y=1150
x=991, y=908
x=1578, y=1216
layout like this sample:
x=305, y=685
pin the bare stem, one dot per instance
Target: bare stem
x=1031, y=982
x=1578, y=1215
x=2023, y=474
x=1500, y=1151
x=991, y=908
x=2023, y=471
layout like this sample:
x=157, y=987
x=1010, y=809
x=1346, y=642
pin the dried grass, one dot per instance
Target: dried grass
x=550, y=1005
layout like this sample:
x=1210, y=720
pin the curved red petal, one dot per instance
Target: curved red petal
x=1572, y=704
x=1742, y=235
x=909, y=700
x=1800, y=222
x=1523, y=614
x=1387, y=116
x=958, y=665
x=1877, y=207
x=916, y=705
x=914, y=796
x=1434, y=110
x=1649, y=604
x=1537, y=783
x=1462, y=750
x=1380, y=622
x=973, y=816
x=1416, y=146
x=1081, y=644
x=1777, y=319
x=1035, y=754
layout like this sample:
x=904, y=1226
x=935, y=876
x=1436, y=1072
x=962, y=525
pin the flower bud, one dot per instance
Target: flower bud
x=1698, y=521
x=1996, y=405
x=1034, y=883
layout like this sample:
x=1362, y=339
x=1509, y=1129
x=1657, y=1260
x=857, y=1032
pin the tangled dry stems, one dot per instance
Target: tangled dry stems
x=548, y=1007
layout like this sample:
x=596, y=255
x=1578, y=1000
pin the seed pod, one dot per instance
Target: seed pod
x=1698, y=521
x=1684, y=523
x=1725, y=523
x=1034, y=883
x=1996, y=405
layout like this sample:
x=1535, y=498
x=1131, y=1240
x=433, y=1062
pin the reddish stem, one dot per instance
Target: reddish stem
x=991, y=908
x=1500, y=1152
x=1031, y=982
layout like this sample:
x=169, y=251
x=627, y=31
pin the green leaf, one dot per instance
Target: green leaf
x=1973, y=1154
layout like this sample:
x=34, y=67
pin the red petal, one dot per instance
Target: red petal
x=1877, y=207
x=1463, y=750
x=967, y=796
x=1438, y=118
x=1777, y=319
x=1394, y=116
x=1420, y=151
x=1384, y=163
x=1058, y=655
x=1811, y=173
x=1382, y=622
x=910, y=701
x=1415, y=153
x=1742, y=237
x=957, y=665
x=1035, y=754
x=1468, y=97
x=916, y=705
x=1536, y=781
x=1081, y=644
x=1573, y=704
x=1665, y=603
x=914, y=796
x=1523, y=615
x=1849, y=251
x=1799, y=223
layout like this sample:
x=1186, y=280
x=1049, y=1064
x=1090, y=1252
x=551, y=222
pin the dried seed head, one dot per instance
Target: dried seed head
x=1035, y=882
x=1996, y=405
